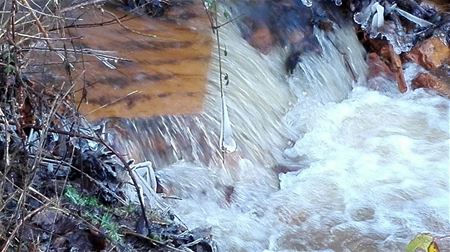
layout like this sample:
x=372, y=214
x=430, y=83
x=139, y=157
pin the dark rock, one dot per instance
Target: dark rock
x=291, y=62
x=155, y=8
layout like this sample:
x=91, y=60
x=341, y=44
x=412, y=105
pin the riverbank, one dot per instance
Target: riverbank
x=62, y=186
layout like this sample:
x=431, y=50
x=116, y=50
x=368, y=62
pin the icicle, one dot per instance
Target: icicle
x=146, y=179
x=106, y=62
x=227, y=143
x=307, y=3
x=378, y=17
x=338, y=2
x=412, y=18
x=363, y=17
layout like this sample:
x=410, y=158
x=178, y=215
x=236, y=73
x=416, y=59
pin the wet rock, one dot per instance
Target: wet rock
x=430, y=81
x=155, y=8
x=384, y=61
x=286, y=23
x=378, y=67
x=291, y=62
x=150, y=70
x=395, y=65
x=285, y=168
x=380, y=76
x=431, y=53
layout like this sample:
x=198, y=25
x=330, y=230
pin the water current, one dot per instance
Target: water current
x=321, y=162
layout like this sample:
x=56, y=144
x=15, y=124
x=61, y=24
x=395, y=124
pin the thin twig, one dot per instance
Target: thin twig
x=38, y=22
x=113, y=102
x=8, y=138
x=133, y=179
x=42, y=38
x=215, y=28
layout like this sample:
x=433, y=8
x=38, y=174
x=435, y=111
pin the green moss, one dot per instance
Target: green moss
x=111, y=228
x=96, y=213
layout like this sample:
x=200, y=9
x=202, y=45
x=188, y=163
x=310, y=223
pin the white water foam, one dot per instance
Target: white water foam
x=374, y=166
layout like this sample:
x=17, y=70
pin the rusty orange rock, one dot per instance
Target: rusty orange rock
x=427, y=80
x=395, y=65
x=397, y=68
x=378, y=67
x=431, y=53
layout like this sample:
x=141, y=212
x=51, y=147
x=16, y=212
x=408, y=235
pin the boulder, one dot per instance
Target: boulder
x=430, y=81
x=431, y=53
x=395, y=64
x=377, y=67
x=380, y=76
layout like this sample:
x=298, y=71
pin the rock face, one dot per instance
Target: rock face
x=429, y=49
x=431, y=53
x=165, y=67
x=396, y=67
x=380, y=75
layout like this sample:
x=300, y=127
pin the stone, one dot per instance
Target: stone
x=395, y=64
x=378, y=67
x=430, y=81
x=380, y=76
x=431, y=53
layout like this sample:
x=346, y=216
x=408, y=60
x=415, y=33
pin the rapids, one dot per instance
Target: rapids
x=322, y=162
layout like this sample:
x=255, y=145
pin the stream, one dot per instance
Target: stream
x=315, y=161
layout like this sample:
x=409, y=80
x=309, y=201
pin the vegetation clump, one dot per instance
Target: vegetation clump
x=62, y=186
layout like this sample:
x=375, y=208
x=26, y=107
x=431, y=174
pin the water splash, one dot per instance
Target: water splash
x=365, y=182
x=195, y=138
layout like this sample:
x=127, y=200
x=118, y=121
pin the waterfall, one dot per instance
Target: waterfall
x=361, y=170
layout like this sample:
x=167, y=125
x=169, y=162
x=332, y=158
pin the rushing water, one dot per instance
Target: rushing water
x=322, y=162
